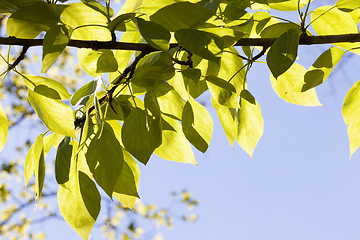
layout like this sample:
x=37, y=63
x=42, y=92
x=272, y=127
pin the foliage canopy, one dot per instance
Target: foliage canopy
x=177, y=51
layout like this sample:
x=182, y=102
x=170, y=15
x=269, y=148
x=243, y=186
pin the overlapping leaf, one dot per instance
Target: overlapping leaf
x=4, y=127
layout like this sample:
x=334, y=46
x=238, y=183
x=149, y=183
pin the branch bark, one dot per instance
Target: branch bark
x=309, y=40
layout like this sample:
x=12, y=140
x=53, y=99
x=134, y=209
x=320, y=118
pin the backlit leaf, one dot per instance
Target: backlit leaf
x=350, y=112
x=322, y=68
x=175, y=146
x=251, y=124
x=85, y=91
x=197, y=125
x=4, y=127
x=283, y=52
x=328, y=20
x=64, y=155
x=55, y=41
x=221, y=91
x=96, y=62
x=288, y=86
x=57, y=116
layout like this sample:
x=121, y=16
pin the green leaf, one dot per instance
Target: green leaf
x=175, y=146
x=153, y=119
x=191, y=74
x=80, y=204
x=105, y=159
x=329, y=20
x=156, y=35
x=201, y=43
x=7, y=7
x=221, y=91
x=170, y=102
x=55, y=41
x=88, y=24
x=197, y=125
x=123, y=23
x=288, y=5
x=277, y=29
x=96, y=62
x=283, y=52
x=135, y=135
x=46, y=87
x=64, y=157
x=228, y=119
x=288, y=86
x=30, y=21
x=347, y=5
x=149, y=76
x=126, y=187
x=228, y=35
x=85, y=91
x=350, y=112
x=99, y=8
x=4, y=127
x=322, y=68
x=35, y=164
x=181, y=15
x=57, y=116
x=251, y=124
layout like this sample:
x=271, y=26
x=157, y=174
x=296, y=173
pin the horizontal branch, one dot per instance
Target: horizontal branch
x=308, y=40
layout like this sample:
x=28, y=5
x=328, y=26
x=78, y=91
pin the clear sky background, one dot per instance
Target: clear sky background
x=300, y=183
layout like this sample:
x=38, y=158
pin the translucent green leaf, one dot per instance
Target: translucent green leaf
x=126, y=187
x=63, y=159
x=156, y=35
x=347, y=5
x=259, y=5
x=322, y=68
x=96, y=62
x=288, y=86
x=283, y=52
x=232, y=70
x=154, y=118
x=98, y=116
x=149, y=76
x=105, y=159
x=175, y=146
x=251, y=124
x=228, y=35
x=197, y=125
x=328, y=20
x=99, y=8
x=57, y=116
x=169, y=100
x=4, y=127
x=228, y=119
x=181, y=15
x=288, y=5
x=201, y=43
x=30, y=21
x=85, y=91
x=88, y=24
x=135, y=135
x=350, y=112
x=55, y=41
x=277, y=29
x=123, y=23
x=80, y=204
x=7, y=7
x=47, y=87
x=191, y=74
x=221, y=91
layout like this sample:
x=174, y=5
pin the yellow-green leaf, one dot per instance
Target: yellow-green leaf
x=175, y=146
x=350, y=112
x=197, y=125
x=322, y=68
x=4, y=127
x=328, y=20
x=288, y=86
x=57, y=116
x=251, y=124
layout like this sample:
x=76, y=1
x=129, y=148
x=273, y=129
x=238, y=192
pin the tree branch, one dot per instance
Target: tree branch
x=309, y=40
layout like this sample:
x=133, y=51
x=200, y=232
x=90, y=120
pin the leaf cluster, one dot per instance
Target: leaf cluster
x=148, y=103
